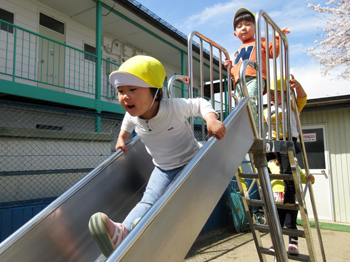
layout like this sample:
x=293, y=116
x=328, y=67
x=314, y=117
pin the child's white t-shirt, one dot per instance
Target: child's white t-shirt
x=168, y=136
x=300, y=102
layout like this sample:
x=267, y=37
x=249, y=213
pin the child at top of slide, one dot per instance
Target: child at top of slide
x=244, y=29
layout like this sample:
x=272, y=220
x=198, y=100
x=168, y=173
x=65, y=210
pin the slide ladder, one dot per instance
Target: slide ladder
x=259, y=159
x=265, y=145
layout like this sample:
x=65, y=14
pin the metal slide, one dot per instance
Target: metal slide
x=166, y=232
x=60, y=231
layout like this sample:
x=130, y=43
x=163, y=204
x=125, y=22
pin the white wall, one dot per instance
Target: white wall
x=338, y=125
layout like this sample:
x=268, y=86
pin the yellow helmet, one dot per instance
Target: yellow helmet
x=272, y=86
x=140, y=70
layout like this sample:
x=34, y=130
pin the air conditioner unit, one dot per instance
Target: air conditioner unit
x=107, y=42
x=128, y=51
x=110, y=67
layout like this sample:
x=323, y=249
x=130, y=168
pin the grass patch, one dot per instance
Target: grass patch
x=330, y=226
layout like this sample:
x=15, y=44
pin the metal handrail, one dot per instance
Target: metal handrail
x=190, y=70
x=308, y=185
x=184, y=79
x=285, y=72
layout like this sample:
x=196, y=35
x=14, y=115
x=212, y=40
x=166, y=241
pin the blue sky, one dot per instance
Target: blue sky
x=214, y=20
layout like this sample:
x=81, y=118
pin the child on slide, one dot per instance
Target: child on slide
x=163, y=127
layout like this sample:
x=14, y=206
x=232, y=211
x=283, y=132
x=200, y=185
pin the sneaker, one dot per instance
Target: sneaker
x=293, y=249
x=272, y=249
x=106, y=233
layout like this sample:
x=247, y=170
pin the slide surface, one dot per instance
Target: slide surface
x=166, y=232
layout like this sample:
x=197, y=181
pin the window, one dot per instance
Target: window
x=8, y=17
x=92, y=50
x=314, y=146
x=51, y=23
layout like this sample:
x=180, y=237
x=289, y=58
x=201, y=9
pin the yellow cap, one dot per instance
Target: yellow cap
x=272, y=86
x=240, y=11
x=143, y=71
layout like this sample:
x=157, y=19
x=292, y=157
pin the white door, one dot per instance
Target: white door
x=315, y=140
x=51, y=60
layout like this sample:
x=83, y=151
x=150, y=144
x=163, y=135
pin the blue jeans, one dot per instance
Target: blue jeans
x=159, y=180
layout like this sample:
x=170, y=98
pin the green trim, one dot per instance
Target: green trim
x=54, y=134
x=18, y=89
x=14, y=53
x=329, y=226
x=98, y=101
x=198, y=122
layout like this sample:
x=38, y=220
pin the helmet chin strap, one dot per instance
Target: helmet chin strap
x=155, y=96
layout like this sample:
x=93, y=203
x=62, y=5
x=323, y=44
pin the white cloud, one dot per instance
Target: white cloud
x=317, y=86
x=209, y=14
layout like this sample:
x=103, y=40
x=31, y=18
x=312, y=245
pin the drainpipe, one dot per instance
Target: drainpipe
x=98, y=102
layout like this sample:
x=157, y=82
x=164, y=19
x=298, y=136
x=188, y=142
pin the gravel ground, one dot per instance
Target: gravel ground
x=226, y=245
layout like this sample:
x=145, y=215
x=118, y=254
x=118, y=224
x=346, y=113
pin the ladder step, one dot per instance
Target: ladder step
x=249, y=175
x=289, y=207
x=255, y=202
x=299, y=257
x=272, y=176
x=285, y=231
x=260, y=203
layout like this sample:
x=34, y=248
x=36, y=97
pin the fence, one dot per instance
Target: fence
x=45, y=150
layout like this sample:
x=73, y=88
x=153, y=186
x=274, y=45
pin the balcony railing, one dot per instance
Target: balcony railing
x=33, y=59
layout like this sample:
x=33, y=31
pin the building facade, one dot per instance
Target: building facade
x=325, y=123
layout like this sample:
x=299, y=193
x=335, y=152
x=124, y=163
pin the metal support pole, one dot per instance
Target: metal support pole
x=271, y=210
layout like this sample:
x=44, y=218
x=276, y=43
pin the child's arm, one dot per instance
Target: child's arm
x=228, y=62
x=297, y=86
x=301, y=97
x=311, y=178
x=214, y=126
x=284, y=31
x=123, y=135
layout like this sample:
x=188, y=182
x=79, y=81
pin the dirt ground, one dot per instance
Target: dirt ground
x=225, y=245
